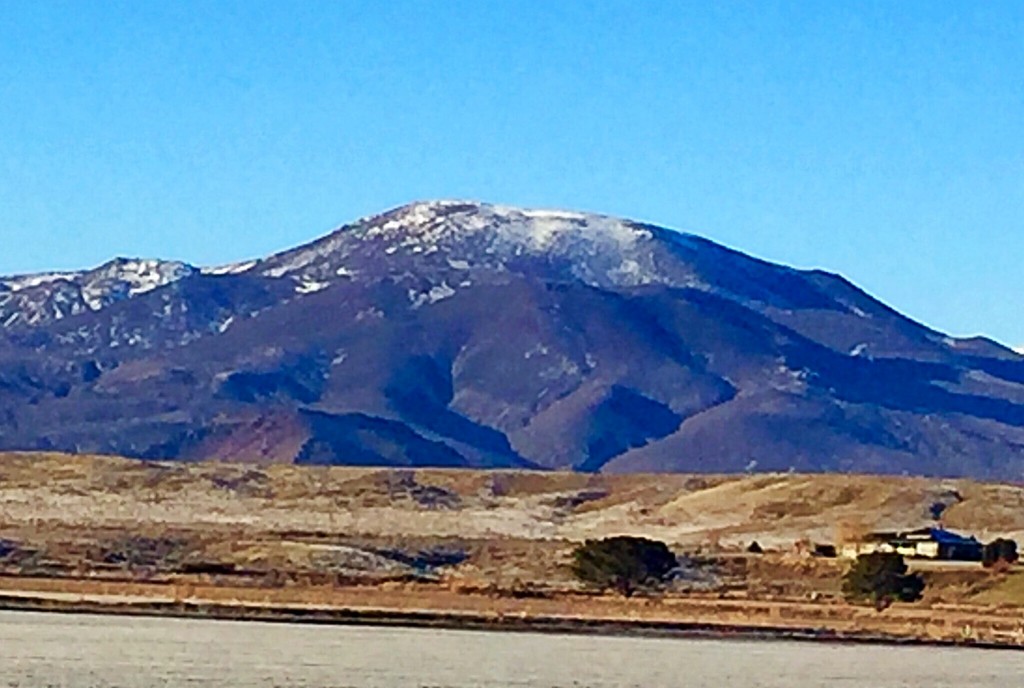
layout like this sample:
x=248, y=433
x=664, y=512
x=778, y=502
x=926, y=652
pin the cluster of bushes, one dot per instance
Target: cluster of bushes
x=881, y=578
x=623, y=563
x=628, y=564
x=136, y=552
x=999, y=552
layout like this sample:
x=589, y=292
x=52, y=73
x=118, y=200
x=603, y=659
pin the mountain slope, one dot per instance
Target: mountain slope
x=467, y=334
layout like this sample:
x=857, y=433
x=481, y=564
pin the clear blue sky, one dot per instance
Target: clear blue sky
x=881, y=140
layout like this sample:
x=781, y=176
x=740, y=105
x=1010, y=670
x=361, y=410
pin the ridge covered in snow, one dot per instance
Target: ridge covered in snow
x=436, y=249
x=422, y=238
x=138, y=275
x=43, y=297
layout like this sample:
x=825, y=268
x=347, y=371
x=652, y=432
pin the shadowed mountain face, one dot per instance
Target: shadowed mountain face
x=463, y=334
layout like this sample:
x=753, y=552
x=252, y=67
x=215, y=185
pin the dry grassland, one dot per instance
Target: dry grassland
x=436, y=539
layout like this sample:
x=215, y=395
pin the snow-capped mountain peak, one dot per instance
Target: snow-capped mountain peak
x=45, y=297
x=139, y=274
x=431, y=223
x=430, y=236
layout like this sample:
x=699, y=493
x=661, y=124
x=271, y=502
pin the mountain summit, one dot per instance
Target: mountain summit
x=452, y=333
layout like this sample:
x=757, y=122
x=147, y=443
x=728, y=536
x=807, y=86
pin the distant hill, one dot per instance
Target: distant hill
x=467, y=334
x=95, y=494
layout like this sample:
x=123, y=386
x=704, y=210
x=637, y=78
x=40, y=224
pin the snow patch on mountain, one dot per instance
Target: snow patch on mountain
x=230, y=268
x=307, y=286
x=295, y=261
x=17, y=283
x=433, y=295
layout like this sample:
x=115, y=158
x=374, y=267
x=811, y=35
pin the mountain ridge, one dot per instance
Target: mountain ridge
x=462, y=333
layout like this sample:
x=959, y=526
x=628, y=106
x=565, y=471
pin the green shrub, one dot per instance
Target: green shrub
x=881, y=578
x=999, y=550
x=623, y=563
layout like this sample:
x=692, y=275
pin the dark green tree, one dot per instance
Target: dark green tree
x=998, y=550
x=623, y=563
x=881, y=578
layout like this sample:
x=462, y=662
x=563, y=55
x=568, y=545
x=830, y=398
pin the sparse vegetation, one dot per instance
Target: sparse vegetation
x=429, y=560
x=881, y=578
x=135, y=552
x=623, y=563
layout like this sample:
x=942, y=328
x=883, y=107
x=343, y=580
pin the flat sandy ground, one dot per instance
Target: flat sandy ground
x=88, y=651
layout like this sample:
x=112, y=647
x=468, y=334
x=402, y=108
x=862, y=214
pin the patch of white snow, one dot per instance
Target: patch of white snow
x=308, y=286
x=17, y=283
x=436, y=293
x=230, y=268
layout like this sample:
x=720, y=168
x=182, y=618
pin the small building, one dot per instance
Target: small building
x=924, y=543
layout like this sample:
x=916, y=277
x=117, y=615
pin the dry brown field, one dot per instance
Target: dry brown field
x=103, y=528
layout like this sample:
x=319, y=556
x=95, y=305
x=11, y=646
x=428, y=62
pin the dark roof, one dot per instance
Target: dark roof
x=940, y=535
x=949, y=537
